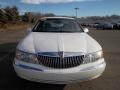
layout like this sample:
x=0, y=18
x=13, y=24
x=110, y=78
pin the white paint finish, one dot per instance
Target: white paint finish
x=57, y=18
x=92, y=45
x=36, y=42
x=61, y=42
x=27, y=44
x=65, y=70
x=54, y=42
x=62, y=76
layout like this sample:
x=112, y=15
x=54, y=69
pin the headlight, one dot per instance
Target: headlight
x=92, y=57
x=26, y=57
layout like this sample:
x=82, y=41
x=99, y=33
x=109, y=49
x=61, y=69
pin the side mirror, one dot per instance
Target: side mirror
x=86, y=30
x=29, y=30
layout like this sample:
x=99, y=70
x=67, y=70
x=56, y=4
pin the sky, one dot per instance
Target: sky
x=66, y=7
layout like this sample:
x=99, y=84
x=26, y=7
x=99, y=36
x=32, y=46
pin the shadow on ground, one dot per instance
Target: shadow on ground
x=8, y=78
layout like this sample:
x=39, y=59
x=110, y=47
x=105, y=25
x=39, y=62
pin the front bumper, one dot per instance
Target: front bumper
x=43, y=74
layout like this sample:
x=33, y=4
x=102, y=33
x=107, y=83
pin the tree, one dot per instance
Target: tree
x=2, y=16
x=49, y=15
x=26, y=17
x=12, y=13
x=15, y=13
x=31, y=17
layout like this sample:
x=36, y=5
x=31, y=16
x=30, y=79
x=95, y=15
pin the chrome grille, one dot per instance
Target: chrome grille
x=57, y=62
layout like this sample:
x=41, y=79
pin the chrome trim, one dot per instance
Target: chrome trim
x=57, y=54
x=100, y=65
x=58, y=62
x=28, y=67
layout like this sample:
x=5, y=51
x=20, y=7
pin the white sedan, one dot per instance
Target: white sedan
x=58, y=51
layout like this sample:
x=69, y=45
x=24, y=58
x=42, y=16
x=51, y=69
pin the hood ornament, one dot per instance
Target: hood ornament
x=61, y=54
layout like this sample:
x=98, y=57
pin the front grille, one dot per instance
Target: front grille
x=57, y=62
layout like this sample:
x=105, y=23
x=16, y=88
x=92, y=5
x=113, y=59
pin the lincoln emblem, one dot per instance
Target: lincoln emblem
x=61, y=54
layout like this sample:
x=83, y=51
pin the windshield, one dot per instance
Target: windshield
x=57, y=25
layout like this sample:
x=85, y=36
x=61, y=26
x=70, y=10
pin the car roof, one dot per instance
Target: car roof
x=57, y=18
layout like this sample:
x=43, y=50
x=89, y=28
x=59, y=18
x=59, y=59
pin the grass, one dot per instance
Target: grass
x=14, y=26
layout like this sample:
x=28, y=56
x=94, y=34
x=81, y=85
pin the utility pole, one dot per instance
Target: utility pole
x=76, y=9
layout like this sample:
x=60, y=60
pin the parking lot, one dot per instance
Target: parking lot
x=110, y=80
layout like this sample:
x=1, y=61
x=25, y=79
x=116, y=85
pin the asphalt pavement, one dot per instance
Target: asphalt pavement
x=110, y=80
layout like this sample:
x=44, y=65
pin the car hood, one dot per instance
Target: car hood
x=37, y=42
